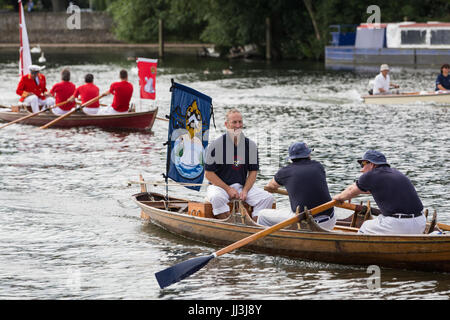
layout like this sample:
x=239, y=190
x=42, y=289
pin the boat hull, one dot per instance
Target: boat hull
x=417, y=252
x=407, y=98
x=126, y=121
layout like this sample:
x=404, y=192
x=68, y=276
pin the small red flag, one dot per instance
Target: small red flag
x=147, y=77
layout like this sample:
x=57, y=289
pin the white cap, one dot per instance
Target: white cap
x=384, y=67
x=34, y=67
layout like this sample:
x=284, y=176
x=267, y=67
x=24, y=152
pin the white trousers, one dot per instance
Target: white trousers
x=256, y=197
x=109, y=110
x=391, y=225
x=270, y=217
x=34, y=102
x=59, y=112
x=90, y=111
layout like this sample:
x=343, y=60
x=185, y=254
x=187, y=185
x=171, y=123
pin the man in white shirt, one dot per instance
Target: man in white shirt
x=382, y=81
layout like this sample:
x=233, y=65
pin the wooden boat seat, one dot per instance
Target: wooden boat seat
x=178, y=206
x=204, y=209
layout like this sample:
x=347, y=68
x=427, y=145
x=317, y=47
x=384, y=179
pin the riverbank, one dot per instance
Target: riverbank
x=131, y=48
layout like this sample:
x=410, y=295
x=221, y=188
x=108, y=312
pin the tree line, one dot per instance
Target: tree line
x=299, y=28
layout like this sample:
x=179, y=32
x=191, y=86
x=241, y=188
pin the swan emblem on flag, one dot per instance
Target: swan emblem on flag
x=149, y=85
x=188, y=148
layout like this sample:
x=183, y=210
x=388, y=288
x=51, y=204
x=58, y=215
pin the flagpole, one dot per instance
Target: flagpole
x=25, y=55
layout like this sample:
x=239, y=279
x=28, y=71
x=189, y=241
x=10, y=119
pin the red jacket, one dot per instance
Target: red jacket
x=28, y=84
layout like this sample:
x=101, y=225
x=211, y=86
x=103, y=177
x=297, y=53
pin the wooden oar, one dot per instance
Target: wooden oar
x=73, y=111
x=356, y=207
x=33, y=114
x=184, y=269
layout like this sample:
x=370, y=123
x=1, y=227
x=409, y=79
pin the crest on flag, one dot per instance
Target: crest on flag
x=190, y=114
x=147, y=77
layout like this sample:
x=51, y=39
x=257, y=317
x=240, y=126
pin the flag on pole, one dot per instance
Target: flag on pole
x=25, y=55
x=147, y=77
x=190, y=113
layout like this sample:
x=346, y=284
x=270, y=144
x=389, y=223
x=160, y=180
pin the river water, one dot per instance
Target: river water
x=68, y=226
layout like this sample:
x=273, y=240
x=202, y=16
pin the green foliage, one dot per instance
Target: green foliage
x=138, y=20
x=228, y=23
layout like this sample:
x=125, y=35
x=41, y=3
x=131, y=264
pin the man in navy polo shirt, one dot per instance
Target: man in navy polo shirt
x=394, y=194
x=231, y=167
x=306, y=184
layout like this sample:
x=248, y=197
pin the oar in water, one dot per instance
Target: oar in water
x=356, y=207
x=186, y=268
x=74, y=110
x=33, y=114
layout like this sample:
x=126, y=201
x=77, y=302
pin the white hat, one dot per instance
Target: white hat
x=34, y=67
x=384, y=67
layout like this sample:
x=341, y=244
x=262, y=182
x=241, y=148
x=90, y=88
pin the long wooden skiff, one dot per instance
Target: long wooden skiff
x=428, y=252
x=128, y=121
x=404, y=98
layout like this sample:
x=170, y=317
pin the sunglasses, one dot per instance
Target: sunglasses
x=363, y=163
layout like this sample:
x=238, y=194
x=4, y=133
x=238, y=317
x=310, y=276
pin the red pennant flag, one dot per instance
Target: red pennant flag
x=147, y=77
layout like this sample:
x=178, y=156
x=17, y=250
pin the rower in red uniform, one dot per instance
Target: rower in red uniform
x=32, y=90
x=62, y=91
x=87, y=92
x=122, y=91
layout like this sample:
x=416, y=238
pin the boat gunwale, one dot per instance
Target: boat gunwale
x=78, y=116
x=304, y=234
x=403, y=95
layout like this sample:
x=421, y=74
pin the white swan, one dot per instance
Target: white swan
x=42, y=58
x=36, y=49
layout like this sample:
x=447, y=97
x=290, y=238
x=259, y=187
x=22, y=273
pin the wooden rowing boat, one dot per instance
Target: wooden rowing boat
x=126, y=121
x=412, y=97
x=429, y=252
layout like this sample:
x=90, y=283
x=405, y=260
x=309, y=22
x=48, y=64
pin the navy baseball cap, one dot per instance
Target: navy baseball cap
x=299, y=150
x=374, y=157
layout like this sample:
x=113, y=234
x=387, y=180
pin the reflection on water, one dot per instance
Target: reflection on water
x=68, y=228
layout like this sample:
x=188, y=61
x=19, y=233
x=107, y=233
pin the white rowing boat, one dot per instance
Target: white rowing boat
x=411, y=97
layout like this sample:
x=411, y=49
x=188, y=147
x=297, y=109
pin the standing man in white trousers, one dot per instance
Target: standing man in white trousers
x=231, y=167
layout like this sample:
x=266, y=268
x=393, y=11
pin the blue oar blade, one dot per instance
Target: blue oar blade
x=181, y=270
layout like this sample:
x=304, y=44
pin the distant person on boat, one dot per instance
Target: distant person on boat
x=32, y=90
x=382, y=83
x=231, y=167
x=306, y=183
x=62, y=91
x=30, y=5
x=394, y=194
x=87, y=92
x=443, y=79
x=122, y=91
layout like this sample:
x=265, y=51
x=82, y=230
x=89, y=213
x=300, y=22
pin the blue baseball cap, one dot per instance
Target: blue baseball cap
x=374, y=157
x=299, y=150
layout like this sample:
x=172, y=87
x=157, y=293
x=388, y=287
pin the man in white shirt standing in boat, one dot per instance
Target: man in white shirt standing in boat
x=382, y=82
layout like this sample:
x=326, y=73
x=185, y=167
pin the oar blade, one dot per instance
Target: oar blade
x=181, y=270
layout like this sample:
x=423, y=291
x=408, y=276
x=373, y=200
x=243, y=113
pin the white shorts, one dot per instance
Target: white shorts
x=391, y=225
x=59, y=112
x=90, y=111
x=34, y=102
x=270, y=217
x=256, y=197
x=109, y=110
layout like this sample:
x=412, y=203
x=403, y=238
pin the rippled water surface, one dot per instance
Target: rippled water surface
x=69, y=229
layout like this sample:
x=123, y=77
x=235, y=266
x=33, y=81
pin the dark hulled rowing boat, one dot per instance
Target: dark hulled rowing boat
x=126, y=121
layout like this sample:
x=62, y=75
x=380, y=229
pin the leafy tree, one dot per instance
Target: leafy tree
x=137, y=20
x=299, y=28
